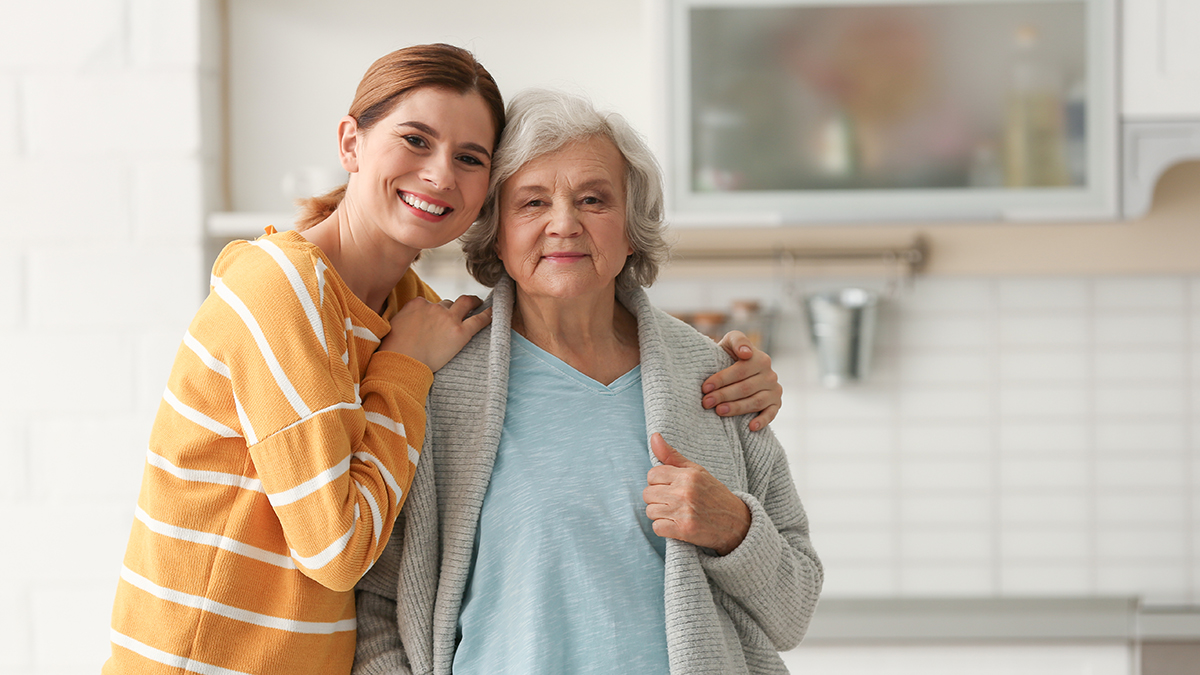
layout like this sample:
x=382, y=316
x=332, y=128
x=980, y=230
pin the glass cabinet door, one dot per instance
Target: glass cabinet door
x=802, y=111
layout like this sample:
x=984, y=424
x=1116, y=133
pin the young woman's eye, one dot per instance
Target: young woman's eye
x=472, y=160
x=416, y=141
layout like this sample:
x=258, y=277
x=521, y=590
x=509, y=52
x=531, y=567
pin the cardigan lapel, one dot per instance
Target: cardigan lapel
x=464, y=464
x=671, y=389
x=673, y=408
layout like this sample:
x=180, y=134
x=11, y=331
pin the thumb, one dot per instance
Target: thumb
x=737, y=345
x=667, y=454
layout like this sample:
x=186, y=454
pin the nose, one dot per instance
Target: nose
x=564, y=220
x=439, y=171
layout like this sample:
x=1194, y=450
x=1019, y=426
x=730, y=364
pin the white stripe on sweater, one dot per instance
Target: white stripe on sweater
x=397, y=428
x=360, y=332
x=205, y=357
x=311, y=485
x=244, y=615
x=321, y=267
x=198, y=476
x=335, y=406
x=332, y=551
x=214, y=540
x=167, y=659
x=198, y=417
x=247, y=428
x=298, y=287
x=387, y=475
x=285, y=385
x=387, y=423
x=376, y=518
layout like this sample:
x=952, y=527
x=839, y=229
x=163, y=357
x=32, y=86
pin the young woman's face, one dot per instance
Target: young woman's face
x=420, y=174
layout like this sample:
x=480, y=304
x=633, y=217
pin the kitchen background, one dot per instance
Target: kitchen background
x=1028, y=438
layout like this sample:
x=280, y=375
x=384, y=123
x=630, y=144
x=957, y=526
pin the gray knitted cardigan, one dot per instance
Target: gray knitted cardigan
x=725, y=614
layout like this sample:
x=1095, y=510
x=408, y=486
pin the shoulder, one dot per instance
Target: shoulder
x=274, y=260
x=688, y=346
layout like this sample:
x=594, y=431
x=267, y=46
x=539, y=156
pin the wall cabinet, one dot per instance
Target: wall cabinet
x=1160, y=59
x=1160, y=94
x=798, y=111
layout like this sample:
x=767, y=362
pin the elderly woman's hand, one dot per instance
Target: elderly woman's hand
x=687, y=503
x=749, y=385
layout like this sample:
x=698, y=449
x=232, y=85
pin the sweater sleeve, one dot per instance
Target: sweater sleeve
x=774, y=574
x=334, y=456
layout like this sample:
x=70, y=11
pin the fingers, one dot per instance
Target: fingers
x=755, y=363
x=764, y=418
x=756, y=402
x=737, y=345
x=739, y=381
x=474, y=324
x=464, y=305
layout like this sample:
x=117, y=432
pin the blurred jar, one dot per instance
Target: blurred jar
x=747, y=316
x=711, y=324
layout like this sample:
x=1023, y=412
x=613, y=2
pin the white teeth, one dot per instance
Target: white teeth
x=424, y=206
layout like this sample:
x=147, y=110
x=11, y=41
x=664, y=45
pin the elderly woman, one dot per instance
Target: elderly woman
x=538, y=538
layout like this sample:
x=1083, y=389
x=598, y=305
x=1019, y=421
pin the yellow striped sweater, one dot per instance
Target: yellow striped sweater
x=281, y=453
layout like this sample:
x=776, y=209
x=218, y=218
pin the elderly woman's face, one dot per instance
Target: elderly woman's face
x=562, y=221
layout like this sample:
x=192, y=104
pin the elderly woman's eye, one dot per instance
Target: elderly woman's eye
x=591, y=200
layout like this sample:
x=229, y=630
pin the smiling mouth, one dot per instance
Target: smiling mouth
x=424, y=206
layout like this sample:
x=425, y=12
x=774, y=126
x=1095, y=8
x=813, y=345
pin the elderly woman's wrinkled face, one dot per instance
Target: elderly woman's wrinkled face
x=562, y=221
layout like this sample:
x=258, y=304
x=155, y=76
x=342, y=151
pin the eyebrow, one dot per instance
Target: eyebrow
x=590, y=184
x=428, y=130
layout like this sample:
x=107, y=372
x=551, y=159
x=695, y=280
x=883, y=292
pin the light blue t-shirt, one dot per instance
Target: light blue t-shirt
x=567, y=575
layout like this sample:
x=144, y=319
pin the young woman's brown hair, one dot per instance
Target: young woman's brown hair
x=392, y=77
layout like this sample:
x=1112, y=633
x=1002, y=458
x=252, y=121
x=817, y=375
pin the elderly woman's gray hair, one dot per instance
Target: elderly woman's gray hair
x=540, y=122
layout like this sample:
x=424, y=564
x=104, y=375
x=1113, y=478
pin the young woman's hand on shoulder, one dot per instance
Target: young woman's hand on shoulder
x=433, y=333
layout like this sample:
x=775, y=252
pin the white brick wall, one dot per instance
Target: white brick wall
x=106, y=165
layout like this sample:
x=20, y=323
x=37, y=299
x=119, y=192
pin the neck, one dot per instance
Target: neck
x=369, y=262
x=597, y=336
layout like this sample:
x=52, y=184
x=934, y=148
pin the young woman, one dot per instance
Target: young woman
x=287, y=436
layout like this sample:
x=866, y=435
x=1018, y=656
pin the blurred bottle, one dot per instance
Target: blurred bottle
x=718, y=139
x=1034, y=148
x=1076, y=121
x=836, y=153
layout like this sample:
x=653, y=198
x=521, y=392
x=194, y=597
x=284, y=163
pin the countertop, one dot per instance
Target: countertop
x=1067, y=619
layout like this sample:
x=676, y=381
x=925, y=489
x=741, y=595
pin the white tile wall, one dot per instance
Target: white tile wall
x=1020, y=436
x=103, y=177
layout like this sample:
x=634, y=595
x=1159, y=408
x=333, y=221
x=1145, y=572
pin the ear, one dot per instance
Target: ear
x=348, y=138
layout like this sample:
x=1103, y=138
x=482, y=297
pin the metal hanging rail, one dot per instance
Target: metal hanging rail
x=912, y=257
